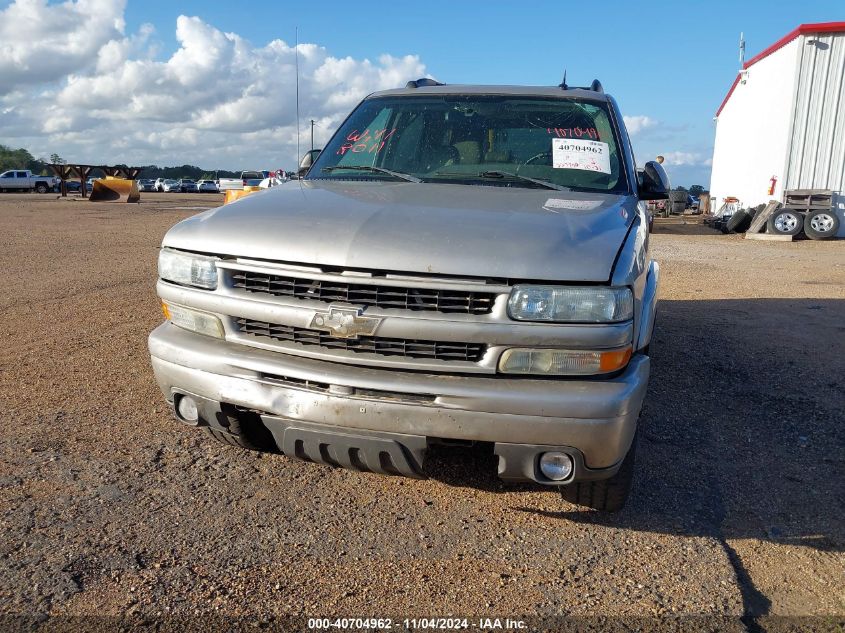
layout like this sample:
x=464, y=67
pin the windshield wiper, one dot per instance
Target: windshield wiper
x=543, y=183
x=506, y=174
x=378, y=170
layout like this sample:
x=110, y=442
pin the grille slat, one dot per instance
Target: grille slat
x=449, y=301
x=439, y=350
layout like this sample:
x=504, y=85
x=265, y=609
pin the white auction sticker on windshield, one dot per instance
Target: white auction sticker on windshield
x=570, y=153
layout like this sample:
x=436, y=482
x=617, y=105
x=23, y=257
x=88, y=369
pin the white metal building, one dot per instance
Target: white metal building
x=782, y=124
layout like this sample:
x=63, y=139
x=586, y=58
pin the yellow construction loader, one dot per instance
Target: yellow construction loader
x=112, y=189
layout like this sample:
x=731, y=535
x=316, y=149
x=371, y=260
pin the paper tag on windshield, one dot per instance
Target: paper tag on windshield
x=569, y=153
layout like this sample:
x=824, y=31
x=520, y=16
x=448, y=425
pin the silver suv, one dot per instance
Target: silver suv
x=460, y=264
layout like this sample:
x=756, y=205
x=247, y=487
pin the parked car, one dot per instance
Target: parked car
x=187, y=185
x=25, y=180
x=693, y=202
x=247, y=179
x=89, y=184
x=207, y=186
x=171, y=186
x=146, y=184
x=477, y=272
x=71, y=186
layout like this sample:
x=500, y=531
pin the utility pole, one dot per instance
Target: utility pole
x=312, y=134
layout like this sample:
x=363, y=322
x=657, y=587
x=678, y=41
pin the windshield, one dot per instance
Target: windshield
x=512, y=141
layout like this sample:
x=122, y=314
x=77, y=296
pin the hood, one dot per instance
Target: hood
x=450, y=229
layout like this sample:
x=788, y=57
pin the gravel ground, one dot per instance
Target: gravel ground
x=111, y=508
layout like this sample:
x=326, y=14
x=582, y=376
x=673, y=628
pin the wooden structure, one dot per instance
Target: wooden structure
x=803, y=200
x=63, y=172
x=758, y=224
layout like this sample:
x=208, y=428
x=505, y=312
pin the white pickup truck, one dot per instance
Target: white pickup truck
x=23, y=179
x=247, y=178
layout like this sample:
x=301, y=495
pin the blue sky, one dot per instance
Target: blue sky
x=669, y=63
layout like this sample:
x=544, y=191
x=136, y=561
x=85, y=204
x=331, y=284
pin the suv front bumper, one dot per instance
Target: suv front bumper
x=309, y=403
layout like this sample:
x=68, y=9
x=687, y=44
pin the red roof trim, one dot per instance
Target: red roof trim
x=804, y=29
x=728, y=96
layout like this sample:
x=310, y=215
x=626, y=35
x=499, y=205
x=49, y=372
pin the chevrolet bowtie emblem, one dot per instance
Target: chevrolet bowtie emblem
x=344, y=322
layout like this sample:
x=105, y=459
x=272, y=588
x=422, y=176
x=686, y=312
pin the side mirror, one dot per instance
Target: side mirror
x=654, y=183
x=307, y=161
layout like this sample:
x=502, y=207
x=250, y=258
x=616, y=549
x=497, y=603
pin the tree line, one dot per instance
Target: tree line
x=22, y=159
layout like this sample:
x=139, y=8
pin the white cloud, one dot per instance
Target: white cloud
x=218, y=101
x=638, y=123
x=687, y=158
x=41, y=43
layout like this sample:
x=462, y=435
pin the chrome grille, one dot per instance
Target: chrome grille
x=403, y=298
x=408, y=348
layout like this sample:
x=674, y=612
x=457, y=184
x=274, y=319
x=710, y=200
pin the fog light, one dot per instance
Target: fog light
x=556, y=466
x=187, y=409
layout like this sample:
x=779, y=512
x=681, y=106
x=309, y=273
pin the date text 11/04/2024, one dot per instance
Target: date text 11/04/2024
x=414, y=624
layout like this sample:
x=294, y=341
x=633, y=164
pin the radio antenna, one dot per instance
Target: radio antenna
x=296, y=62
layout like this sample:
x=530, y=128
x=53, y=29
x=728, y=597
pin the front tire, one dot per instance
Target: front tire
x=821, y=225
x=605, y=495
x=41, y=188
x=245, y=430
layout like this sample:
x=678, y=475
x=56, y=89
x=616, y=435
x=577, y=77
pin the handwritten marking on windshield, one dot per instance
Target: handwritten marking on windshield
x=366, y=141
x=574, y=132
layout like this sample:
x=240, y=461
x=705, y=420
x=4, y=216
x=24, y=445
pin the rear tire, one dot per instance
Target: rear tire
x=821, y=225
x=785, y=222
x=605, y=495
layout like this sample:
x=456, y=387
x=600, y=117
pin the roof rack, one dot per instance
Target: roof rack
x=422, y=83
x=594, y=87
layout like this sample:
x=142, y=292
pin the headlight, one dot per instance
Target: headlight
x=579, y=304
x=193, y=320
x=562, y=362
x=187, y=269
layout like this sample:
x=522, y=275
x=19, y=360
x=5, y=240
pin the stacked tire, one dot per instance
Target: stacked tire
x=739, y=221
x=819, y=224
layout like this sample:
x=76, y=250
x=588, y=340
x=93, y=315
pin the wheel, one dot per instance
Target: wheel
x=739, y=222
x=41, y=187
x=785, y=222
x=821, y=225
x=245, y=431
x=605, y=495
